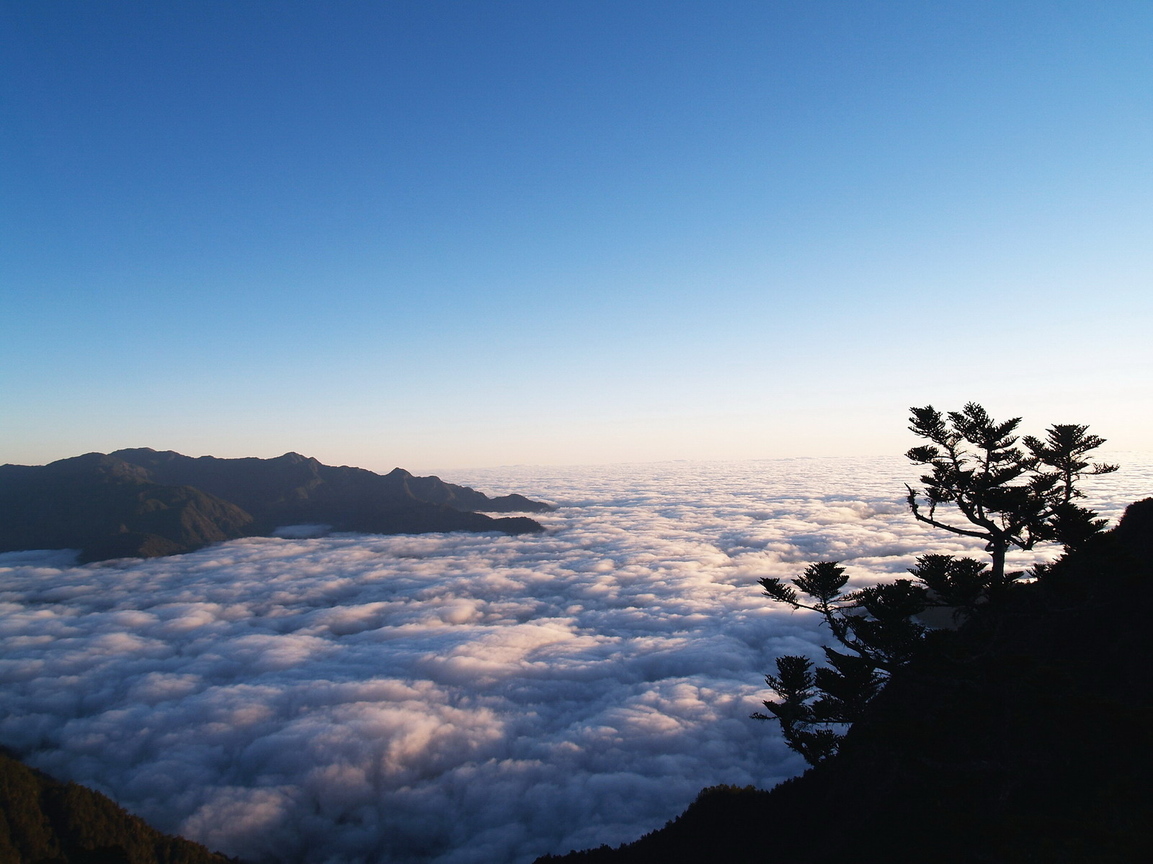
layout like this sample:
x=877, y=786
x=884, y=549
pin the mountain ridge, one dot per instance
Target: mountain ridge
x=140, y=502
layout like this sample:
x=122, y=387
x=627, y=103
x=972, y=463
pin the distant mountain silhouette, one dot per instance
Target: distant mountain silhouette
x=146, y=503
x=44, y=821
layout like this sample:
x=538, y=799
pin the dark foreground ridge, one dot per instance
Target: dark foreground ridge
x=44, y=821
x=144, y=503
x=1025, y=736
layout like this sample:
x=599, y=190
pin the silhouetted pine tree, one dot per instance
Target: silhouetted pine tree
x=1008, y=498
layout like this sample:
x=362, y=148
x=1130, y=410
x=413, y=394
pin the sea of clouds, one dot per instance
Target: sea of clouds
x=452, y=698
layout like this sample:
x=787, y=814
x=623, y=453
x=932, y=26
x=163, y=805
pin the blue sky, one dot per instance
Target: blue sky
x=462, y=234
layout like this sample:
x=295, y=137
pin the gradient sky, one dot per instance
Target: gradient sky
x=450, y=234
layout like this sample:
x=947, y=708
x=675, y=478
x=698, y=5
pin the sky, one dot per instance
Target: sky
x=455, y=698
x=459, y=234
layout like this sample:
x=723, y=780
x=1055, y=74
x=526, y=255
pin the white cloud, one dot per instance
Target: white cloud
x=449, y=698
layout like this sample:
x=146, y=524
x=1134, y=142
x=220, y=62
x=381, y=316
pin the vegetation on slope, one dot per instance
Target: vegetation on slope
x=1024, y=736
x=44, y=821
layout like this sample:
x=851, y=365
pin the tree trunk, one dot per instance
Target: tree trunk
x=997, y=549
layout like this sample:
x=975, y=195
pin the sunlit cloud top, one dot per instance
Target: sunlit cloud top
x=453, y=698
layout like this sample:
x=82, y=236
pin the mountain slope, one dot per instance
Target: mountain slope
x=295, y=488
x=48, y=822
x=108, y=509
x=147, y=503
x=1024, y=737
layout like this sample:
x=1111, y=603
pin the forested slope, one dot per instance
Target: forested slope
x=44, y=821
x=1025, y=736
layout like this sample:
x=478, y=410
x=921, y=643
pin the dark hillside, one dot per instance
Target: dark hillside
x=109, y=509
x=44, y=821
x=146, y=503
x=294, y=489
x=291, y=486
x=1026, y=736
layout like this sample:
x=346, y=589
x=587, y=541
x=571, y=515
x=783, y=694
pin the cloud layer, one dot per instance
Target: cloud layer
x=450, y=698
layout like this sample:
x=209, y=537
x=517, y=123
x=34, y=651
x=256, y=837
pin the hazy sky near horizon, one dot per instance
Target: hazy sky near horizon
x=449, y=234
